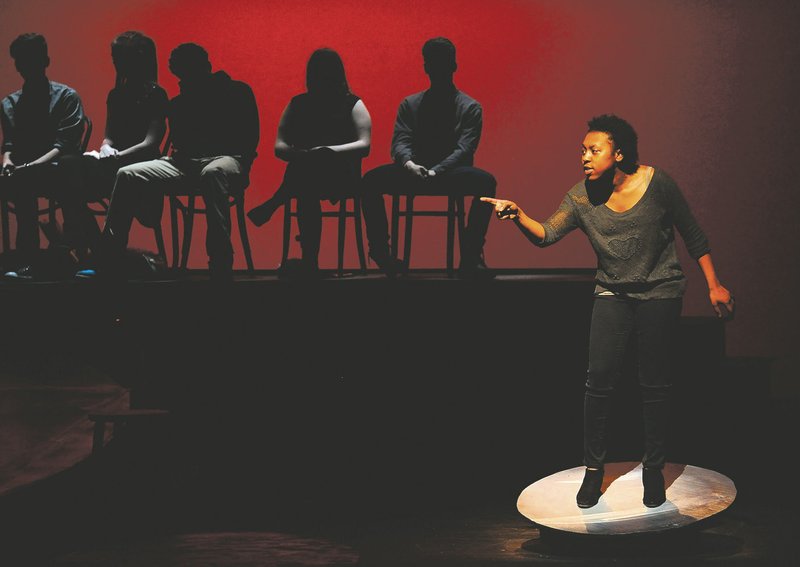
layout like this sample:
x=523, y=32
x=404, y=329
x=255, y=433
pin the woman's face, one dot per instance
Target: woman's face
x=598, y=155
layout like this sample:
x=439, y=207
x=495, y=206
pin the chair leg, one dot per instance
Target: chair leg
x=173, y=222
x=451, y=213
x=52, y=219
x=159, y=234
x=342, y=229
x=409, y=216
x=240, y=215
x=287, y=230
x=395, y=223
x=52, y=206
x=6, y=230
x=188, y=225
x=362, y=260
x=461, y=218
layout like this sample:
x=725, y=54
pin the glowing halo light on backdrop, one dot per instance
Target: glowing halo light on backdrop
x=693, y=494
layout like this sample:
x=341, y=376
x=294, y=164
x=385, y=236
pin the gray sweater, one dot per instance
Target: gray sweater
x=635, y=249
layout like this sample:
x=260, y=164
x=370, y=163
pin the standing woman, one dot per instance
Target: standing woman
x=135, y=126
x=323, y=134
x=629, y=212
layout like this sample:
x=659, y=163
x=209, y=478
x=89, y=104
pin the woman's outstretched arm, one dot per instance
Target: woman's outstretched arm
x=509, y=210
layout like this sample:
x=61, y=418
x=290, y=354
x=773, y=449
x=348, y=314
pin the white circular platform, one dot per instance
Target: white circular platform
x=693, y=493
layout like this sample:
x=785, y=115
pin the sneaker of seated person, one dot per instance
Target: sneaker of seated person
x=102, y=272
x=262, y=213
x=475, y=268
x=298, y=269
x=23, y=274
x=387, y=263
x=41, y=271
x=87, y=274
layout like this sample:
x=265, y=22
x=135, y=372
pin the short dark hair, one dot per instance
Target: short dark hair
x=29, y=46
x=623, y=136
x=439, y=48
x=189, y=58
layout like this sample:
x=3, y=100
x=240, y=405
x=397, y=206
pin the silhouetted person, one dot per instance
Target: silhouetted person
x=629, y=213
x=136, y=111
x=41, y=124
x=435, y=138
x=323, y=134
x=214, y=130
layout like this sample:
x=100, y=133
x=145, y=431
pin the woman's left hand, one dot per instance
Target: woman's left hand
x=503, y=208
x=722, y=299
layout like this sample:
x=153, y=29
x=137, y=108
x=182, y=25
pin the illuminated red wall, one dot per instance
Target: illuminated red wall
x=708, y=85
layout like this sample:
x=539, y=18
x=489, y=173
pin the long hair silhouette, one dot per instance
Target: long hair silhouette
x=134, y=56
x=325, y=74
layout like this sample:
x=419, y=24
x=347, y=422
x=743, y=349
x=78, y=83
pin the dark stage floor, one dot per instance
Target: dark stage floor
x=355, y=421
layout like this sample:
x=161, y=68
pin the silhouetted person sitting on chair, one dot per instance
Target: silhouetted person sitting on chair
x=41, y=124
x=435, y=138
x=323, y=135
x=136, y=111
x=214, y=130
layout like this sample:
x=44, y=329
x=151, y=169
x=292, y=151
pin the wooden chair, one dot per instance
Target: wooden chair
x=454, y=215
x=188, y=209
x=7, y=208
x=342, y=213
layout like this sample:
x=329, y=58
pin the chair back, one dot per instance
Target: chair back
x=87, y=133
x=166, y=149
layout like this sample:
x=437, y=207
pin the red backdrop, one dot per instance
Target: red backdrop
x=709, y=87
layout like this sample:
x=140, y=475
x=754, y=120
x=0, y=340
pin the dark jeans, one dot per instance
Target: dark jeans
x=393, y=178
x=654, y=323
x=87, y=179
x=23, y=188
